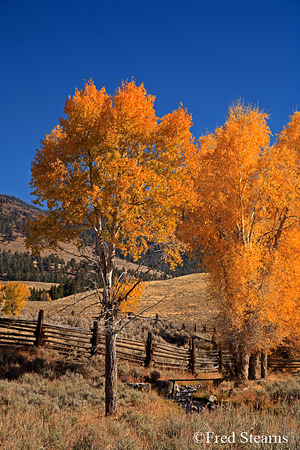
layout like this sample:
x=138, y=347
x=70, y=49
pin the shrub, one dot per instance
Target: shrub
x=154, y=375
x=14, y=296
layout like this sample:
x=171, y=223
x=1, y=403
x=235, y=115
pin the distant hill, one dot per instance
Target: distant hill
x=14, y=214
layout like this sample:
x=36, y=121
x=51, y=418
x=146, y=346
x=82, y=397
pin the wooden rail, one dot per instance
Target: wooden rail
x=88, y=342
x=284, y=364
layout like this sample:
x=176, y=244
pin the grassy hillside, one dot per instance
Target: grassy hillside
x=180, y=300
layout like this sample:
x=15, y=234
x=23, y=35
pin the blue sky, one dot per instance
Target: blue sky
x=203, y=53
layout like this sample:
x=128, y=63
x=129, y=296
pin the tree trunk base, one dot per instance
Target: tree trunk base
x=110, y=374
x=254, y=366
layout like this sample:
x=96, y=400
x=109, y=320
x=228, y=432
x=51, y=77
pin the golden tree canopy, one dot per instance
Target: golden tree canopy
x=114, y=166
x=247, y=225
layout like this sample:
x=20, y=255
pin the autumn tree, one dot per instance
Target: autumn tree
x=112, y=165
x=14, y=296
x=246, y=225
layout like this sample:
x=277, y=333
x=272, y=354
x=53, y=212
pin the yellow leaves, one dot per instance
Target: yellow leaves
x=14, y=296
x=111, y=160
x=246, y=223
x=127, y=292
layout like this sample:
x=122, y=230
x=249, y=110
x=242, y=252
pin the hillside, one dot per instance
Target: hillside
x=180, y=300
x=13, y=215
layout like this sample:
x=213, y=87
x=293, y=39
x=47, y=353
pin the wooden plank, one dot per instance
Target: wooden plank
x=131, y=351
x=66, y=342
x=283, y=360
x=208, y=367
x=207, y=361
x=131, y=340
x=171, y=354
x=173, y=357
x=45, y=342
x=65, y=345
x=167, y=365
x=131, y=355
x=220, y=377
x=170, y=347
x=65, y=327
x=66, y=351
x=18, y=321
x=17, y=344
x=18, y=327
x=207, y=352
x=170, y=351
x=174, y=347
x=67, y=334
x=284, y=366
x=125, y=358
x=133, y=347
x=55, y=335
x=16, y=335
x=14, y=341
x=292, y=364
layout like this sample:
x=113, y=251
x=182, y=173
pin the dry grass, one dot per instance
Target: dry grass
x=18, y=245
x=34, y=284
x=180, y=300
x=54, y=404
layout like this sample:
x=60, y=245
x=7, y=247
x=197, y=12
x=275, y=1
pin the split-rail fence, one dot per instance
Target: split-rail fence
x=87, y=342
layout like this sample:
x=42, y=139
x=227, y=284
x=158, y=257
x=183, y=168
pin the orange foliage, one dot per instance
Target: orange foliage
x=247, y=226
x=114, y=166
x=128, y=291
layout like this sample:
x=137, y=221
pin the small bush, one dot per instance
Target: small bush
x=136, y=374
x=154, y=375
x=14, y=372
x=287, y=389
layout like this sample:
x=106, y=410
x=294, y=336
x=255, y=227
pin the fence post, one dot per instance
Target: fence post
x=221, y=362
x=192, y=363
x=264, y=364
x=149, y=350
x=95, y=338
x=39, y=329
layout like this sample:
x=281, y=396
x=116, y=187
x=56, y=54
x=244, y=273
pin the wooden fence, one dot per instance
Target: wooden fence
x=290, y=365
x=88, y=342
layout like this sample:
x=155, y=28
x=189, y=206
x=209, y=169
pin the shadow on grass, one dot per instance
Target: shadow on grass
x=14, y=363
